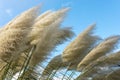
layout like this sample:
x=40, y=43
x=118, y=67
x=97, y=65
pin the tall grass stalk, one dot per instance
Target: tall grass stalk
x=26, y=63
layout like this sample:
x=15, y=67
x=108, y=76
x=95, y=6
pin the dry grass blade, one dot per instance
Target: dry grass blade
x=114, y=75
x=104, y=47
x=96, y=73
x=2, y=64
x=2, y=68
x=87, y=74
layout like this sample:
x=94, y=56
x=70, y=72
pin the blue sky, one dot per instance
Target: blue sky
x=106, y=13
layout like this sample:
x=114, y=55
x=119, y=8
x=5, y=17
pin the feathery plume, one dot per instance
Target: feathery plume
x=104, y=47
x=52, y=36
x=95, y=67
x=11, y=44
x=77, y=49
x=45, y=21
x=15, y=36
x=53, y=16
x=104, y=61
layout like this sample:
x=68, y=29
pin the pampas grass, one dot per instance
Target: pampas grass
x=28, y=39
x=104, y=61
x=104, y=47
x=15, y=36
x=78, y=48
x=45, y=21
x=40, y=32
x=23, y=56
x=11, y=44
x=52, y=36
x=95, y=67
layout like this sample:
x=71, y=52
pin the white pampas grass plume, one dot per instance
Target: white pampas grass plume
x=50, y=38
x=77, y=49
x=99, y=70
x=105, y=61
x=53, y=16
x=95, y=67
x=104, y=47
x=11, y=44
x=45, y=21
x=37, y=28
x=13, y=38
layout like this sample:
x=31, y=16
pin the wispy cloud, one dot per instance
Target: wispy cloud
x=9, y=12
x=66, y=4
